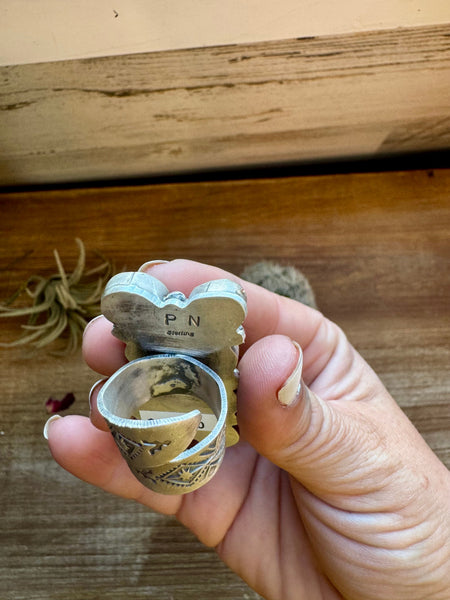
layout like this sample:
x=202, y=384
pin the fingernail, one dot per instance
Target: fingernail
x=94, y=388
x=150, y=264
x=290, y=390
x=92, y=321
x=47, y=425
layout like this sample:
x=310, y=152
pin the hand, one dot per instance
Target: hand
x=331, y=492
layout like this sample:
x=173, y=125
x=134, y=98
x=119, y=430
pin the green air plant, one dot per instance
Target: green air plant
x=61, y=304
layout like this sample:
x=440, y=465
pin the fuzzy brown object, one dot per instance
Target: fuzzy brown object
x=281, y=279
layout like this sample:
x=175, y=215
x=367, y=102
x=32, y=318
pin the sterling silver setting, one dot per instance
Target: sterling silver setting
x=181, y=350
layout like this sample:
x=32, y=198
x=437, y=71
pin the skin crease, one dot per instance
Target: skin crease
x=334, y=496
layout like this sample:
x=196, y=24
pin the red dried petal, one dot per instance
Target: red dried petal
x=53, y=405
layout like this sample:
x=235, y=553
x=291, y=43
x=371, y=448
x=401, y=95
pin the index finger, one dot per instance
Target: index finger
x=268, y=313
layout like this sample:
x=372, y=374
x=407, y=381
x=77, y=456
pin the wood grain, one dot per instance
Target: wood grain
x=61, y=30
x=376, y=248
x=363, y=94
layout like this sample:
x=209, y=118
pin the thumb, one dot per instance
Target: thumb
x=329, y=446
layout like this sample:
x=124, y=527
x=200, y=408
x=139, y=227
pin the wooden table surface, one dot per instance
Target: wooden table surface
x=376, y=248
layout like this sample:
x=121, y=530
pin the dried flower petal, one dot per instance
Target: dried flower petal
x=54, y=406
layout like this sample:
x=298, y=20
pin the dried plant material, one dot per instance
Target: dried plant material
x=54, y=406
x=62, y=303
x=281, y=279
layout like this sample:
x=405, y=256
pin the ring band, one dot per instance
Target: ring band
x=159, y=452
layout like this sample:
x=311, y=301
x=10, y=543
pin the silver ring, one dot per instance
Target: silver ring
x=159, y=452
x=181, y=447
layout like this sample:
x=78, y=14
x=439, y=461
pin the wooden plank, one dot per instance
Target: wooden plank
x=376, y=248
x=63, y=30
x=365, y=94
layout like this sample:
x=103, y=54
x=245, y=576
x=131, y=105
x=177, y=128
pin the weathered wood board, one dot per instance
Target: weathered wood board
x=268, y=103
x=53, y=30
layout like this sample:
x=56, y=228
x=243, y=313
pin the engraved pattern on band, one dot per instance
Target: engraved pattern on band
x=158, y=454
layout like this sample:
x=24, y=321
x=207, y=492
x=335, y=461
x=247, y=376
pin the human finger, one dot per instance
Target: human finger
x=267, y=314
x=96, y=418
x=92, y=455
x=290, y=425
x=346, y=446
x=102, y=351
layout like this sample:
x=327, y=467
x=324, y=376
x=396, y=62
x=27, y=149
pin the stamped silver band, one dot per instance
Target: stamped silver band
x=161, y=452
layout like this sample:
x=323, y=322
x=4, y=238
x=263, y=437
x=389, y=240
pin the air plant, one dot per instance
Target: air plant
x=61, y=304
